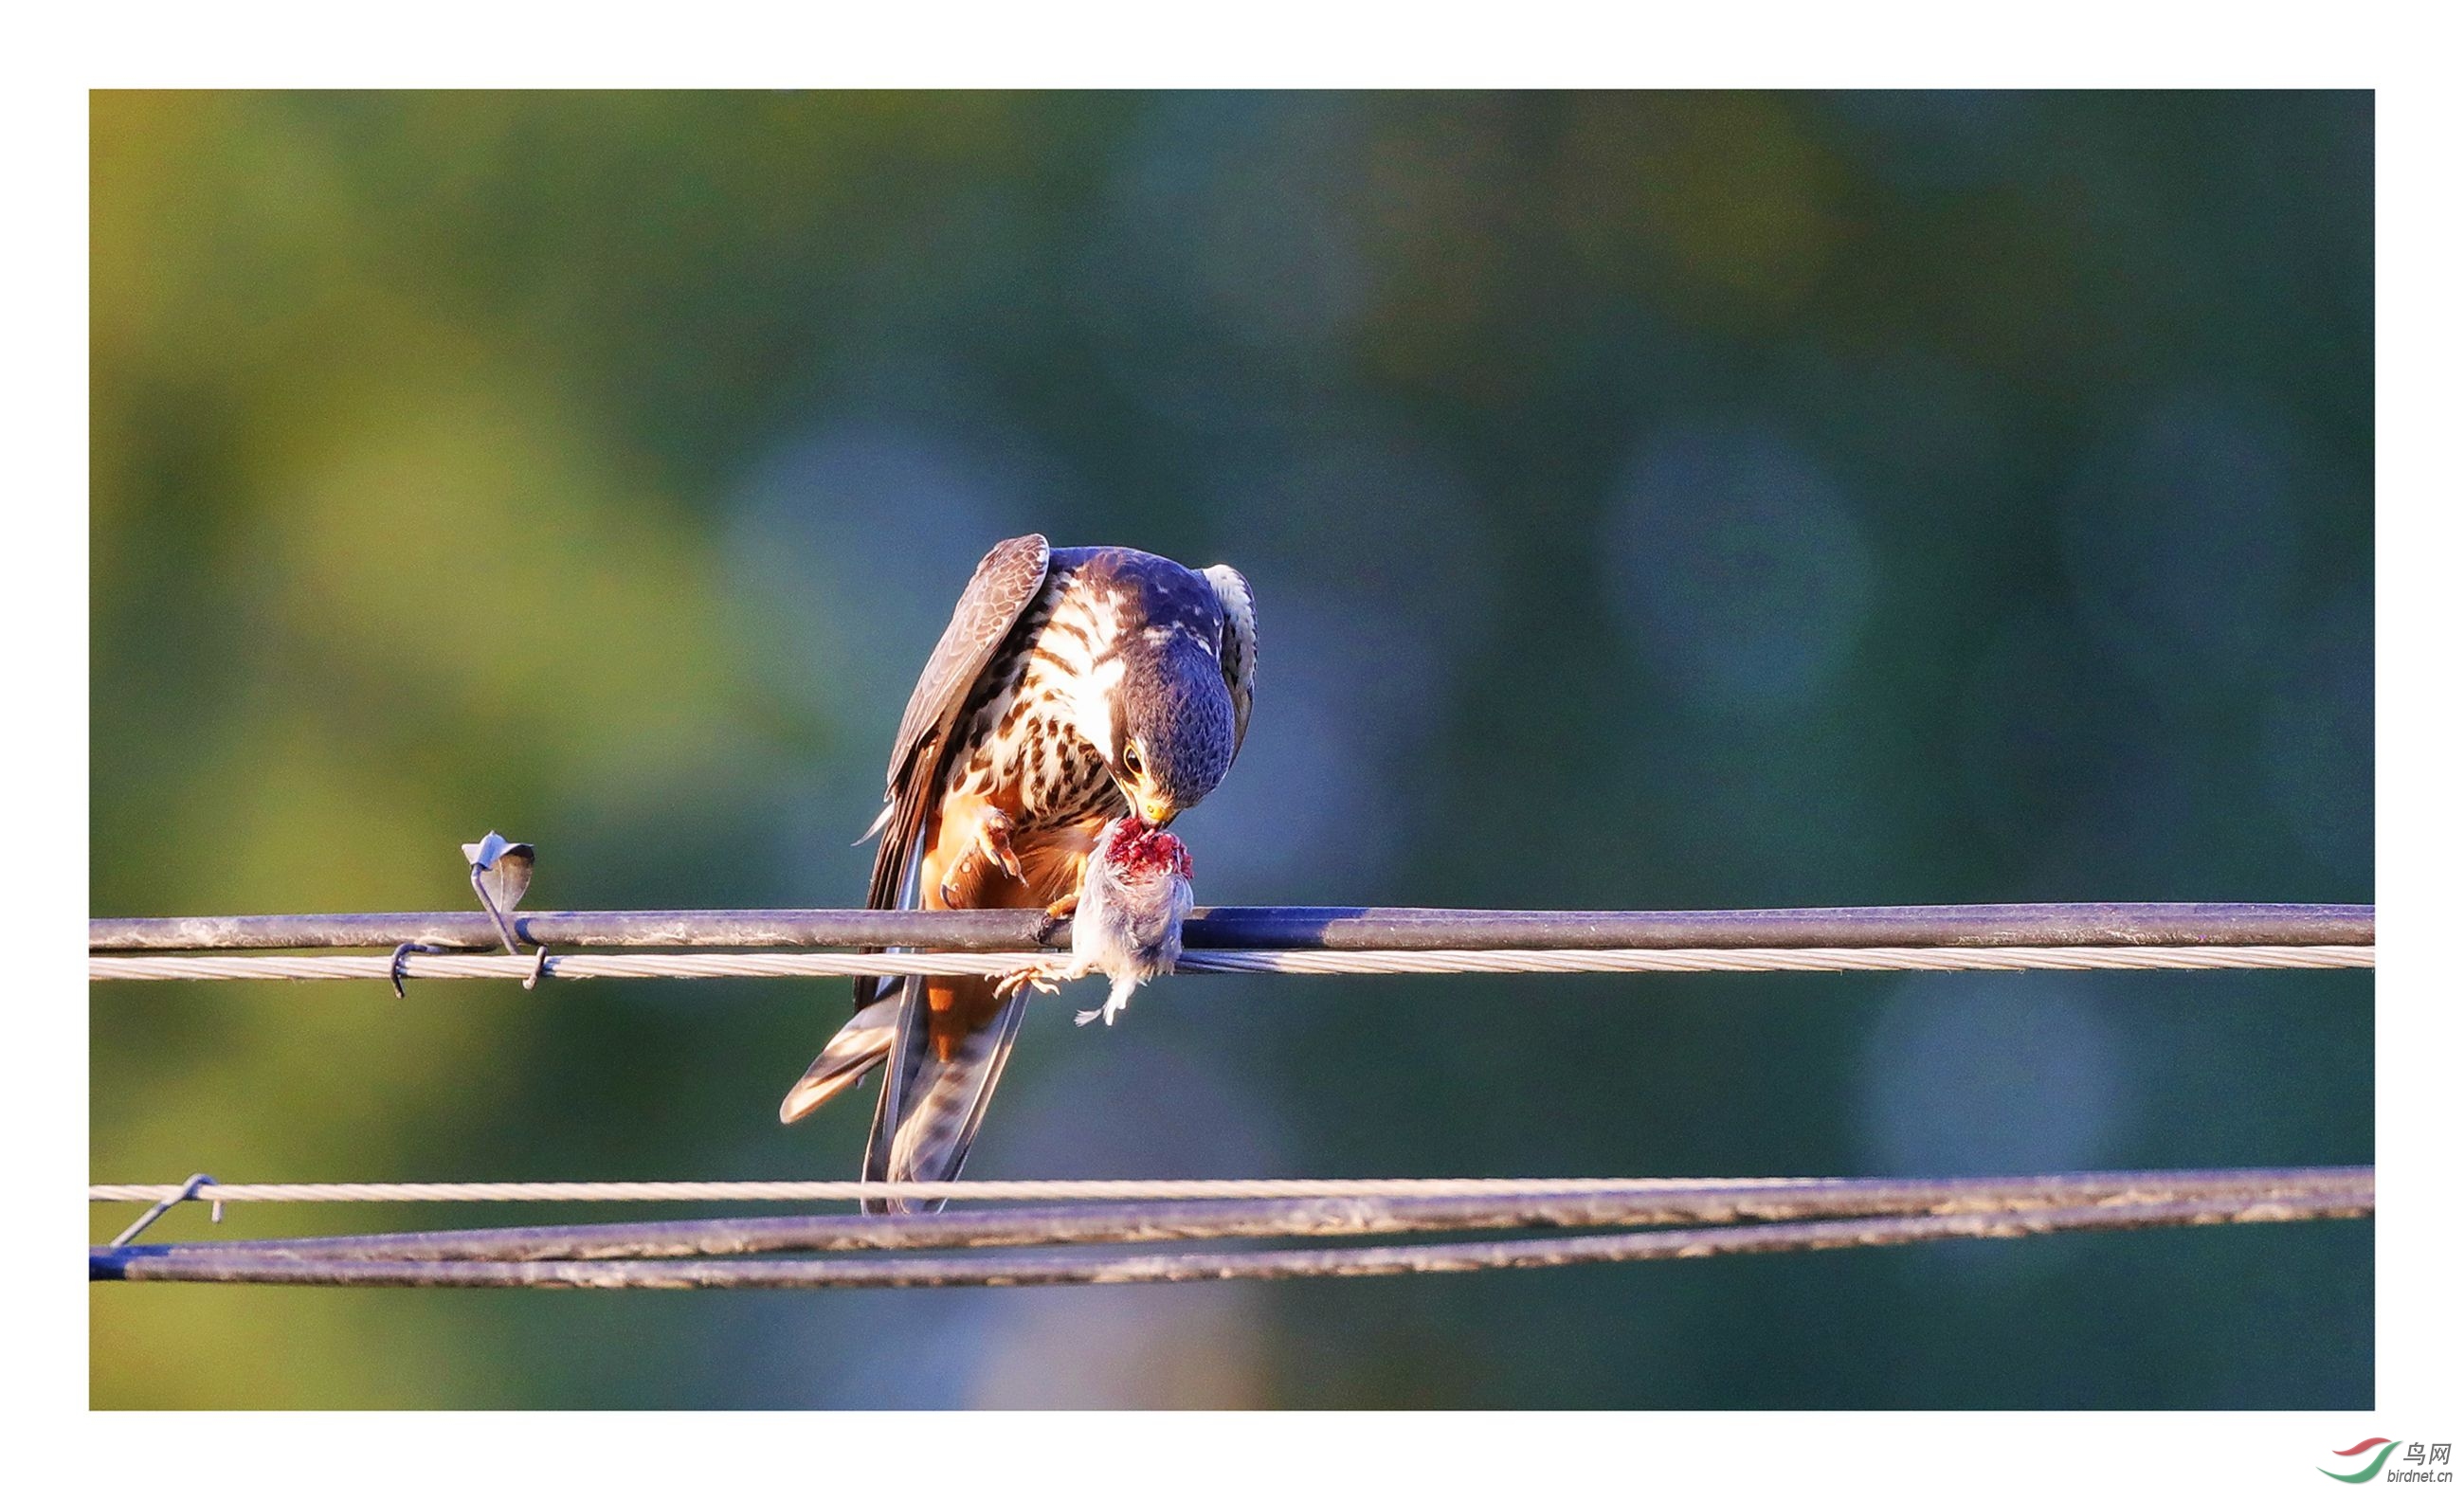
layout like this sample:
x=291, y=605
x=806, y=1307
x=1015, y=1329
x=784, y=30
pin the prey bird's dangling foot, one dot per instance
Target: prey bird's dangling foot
x=1048, y=975
x=1113, y=1004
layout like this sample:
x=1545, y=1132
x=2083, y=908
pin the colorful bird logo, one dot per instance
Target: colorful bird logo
x=2362, y=1476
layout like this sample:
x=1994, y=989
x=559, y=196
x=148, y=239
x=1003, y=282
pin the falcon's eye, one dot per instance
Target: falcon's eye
x=1132, y=762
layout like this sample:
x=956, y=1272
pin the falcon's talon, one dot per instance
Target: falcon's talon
x=1054, y=915
x=992, y=843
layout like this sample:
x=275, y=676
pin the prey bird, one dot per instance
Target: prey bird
x=1130, y=905
x=1072, y=686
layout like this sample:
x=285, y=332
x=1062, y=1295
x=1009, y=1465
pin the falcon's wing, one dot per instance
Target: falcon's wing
x=1240, y=652
x=1006, y=581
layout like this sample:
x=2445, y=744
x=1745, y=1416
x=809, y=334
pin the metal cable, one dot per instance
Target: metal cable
x=1297, y=940
x=139, y=1263
x=1044, y=1191
x=2005, y=925
x=1123, y=1224
x=1254, y=961
x=1830, y=1194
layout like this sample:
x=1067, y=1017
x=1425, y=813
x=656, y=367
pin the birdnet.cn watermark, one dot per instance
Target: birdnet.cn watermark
x=2421, y=1463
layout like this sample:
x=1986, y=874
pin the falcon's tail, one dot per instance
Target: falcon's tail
x=856, y=1051
x=933, y=1104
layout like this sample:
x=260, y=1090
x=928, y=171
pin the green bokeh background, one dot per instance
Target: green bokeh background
x=1652, y=500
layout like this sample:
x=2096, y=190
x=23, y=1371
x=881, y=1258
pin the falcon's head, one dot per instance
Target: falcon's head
x=1171, y=724
x=1171, y=653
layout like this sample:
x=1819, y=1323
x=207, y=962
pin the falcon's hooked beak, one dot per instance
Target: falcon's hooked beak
x=1154, y=808
x=1147, y=804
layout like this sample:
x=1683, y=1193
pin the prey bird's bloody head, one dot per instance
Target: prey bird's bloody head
x=1134, y=852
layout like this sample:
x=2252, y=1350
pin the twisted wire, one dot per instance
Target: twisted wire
x=1149, y=1220
x=1833, y=1194
x=1044, y=1191
x=993, y=930
x=1026, y=1268
x=1231, y=960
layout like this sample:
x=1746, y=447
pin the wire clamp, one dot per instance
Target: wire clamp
x=500, y=872
x=187, y=1190
x=395, y=971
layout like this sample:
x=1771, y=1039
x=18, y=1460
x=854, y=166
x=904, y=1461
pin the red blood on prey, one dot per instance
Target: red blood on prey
x=1141, y=852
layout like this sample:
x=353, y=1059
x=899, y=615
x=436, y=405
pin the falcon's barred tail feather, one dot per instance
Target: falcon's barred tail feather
x=923, y=1126
x=858, y=1048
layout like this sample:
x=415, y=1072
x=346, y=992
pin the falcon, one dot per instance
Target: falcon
x=1072, y=686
